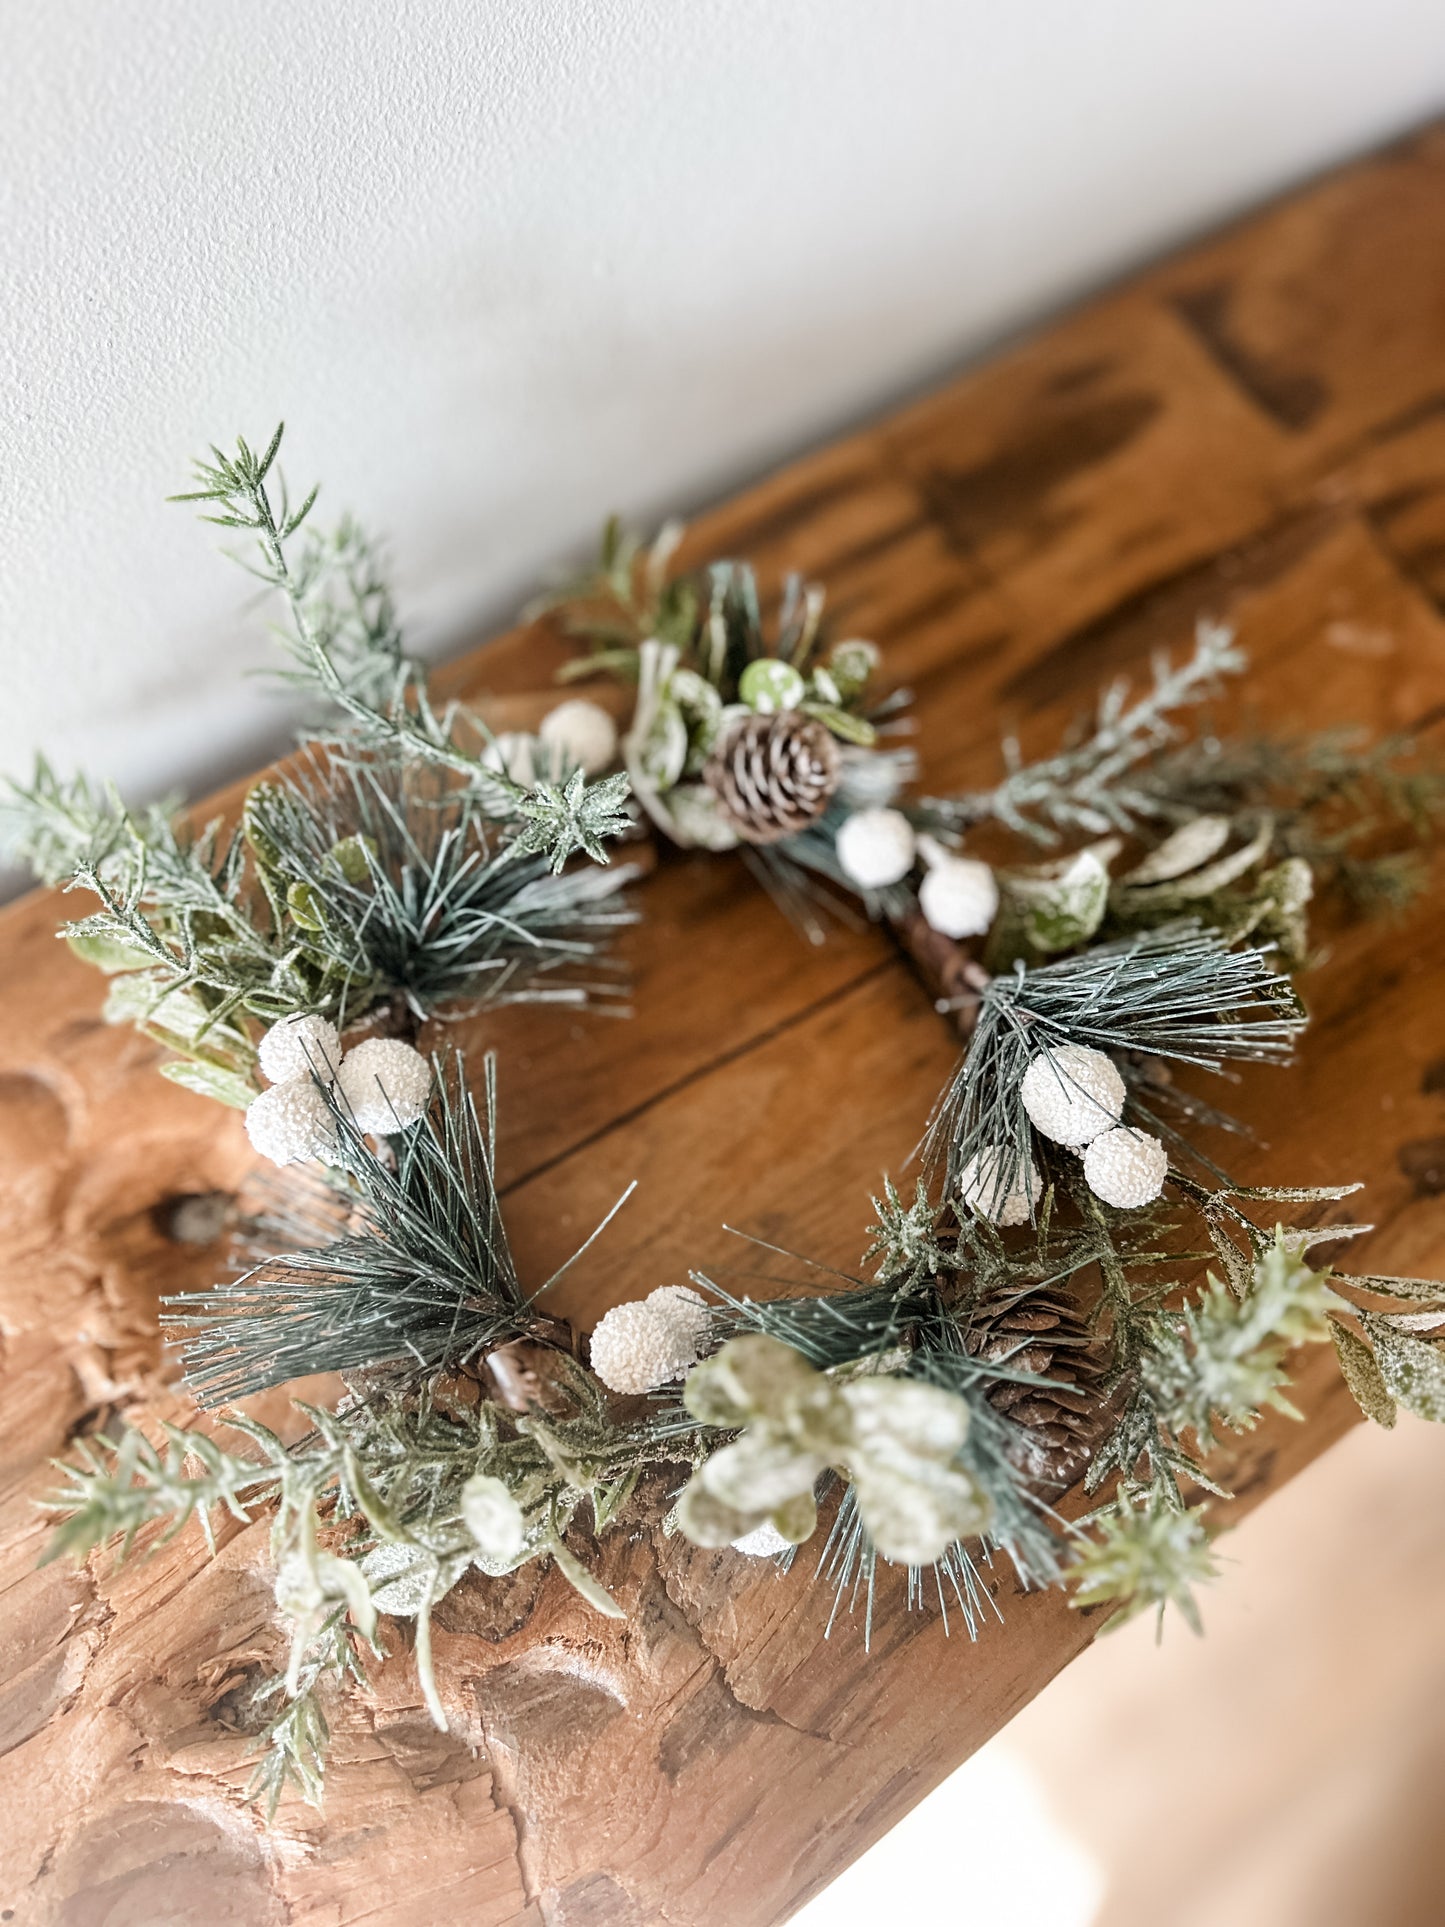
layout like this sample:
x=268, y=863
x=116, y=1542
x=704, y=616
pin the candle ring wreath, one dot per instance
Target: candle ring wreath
x=1030, y=1318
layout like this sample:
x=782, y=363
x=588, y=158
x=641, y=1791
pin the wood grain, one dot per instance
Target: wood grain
x=1254, y=430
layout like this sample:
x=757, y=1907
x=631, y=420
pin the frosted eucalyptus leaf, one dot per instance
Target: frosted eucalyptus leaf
x=914, y=1515
x=1061, y=911
x=306, y=1584
x=305, y=906
x=1413, y=1369
x=750, y=1376
x=492, y=1516
x=900, y=1413
x=843, y=724
x=711, y=1395
x=761, y=1471
x=1227, y=869
x=210, y=1080
x=797, y=1520
x=354, y=856
x=661, y=755
x=1362, y=1375
x=764, y=1376
x=1193, y=843
x=405, y=1577
x=103, y=952
x=700, y=706
x=708, y=1520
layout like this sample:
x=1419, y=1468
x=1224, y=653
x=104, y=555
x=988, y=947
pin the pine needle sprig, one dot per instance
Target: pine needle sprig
x=405, y=886
x=623, y=600
x=1179, y=992
x=1219, y=1361
x=386, y=1482
x=53, y=824
x=344, y=589
x=1100, y=784
x=712, y=617
x=424, y=1283
x=177, y=931
x=296, y=1738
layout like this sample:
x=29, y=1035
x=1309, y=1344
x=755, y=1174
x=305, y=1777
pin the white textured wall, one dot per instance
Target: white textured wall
x=505, y=265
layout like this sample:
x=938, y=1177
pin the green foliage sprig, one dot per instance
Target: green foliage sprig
x=1179, y=993
x=399, y=884
x=1095, y=786
x=381, y=1510
x=393, y=864
x=556, y=819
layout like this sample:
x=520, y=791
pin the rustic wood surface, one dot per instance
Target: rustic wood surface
x=1255, y=430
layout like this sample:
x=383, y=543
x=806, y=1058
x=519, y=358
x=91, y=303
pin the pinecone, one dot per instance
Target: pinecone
x=773, y=774
x=1042, y=1332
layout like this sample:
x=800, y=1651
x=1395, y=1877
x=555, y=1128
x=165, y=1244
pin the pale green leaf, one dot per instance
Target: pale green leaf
x=1412, y=1368
x=1362, y=1374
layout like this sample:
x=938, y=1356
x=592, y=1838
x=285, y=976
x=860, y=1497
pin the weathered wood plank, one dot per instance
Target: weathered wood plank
x=1251, y=431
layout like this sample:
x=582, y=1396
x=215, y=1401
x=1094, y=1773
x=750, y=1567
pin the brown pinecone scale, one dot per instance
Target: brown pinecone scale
x=1042, y=1332
x=773, y=774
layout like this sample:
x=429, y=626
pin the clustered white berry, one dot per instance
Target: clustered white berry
x=297, y=1045
x=386, y=1084
x=578, y=735
x=1075, y=1096
x=650, y=1341
x=959, y=895
x=1126, y=1167
x=1071, y=1093
x=876, y=848
x=989, y=1186
x=575, y=735
x=290, y=1123
x=383, y=1083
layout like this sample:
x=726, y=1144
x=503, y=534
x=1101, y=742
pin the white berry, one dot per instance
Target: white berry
x=386, y=1085
x=579, y=735
x=1126, y=1167
x=513, y=754
x=876, y=848
x=1072, y=1093
x=763, y=1542
x=958, y=897
x=650, y=1341
x=298, y=1046
x=989, y=1186
x=291, y=1123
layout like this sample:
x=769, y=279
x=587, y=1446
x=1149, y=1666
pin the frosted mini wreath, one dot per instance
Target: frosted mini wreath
x=1018, y=1325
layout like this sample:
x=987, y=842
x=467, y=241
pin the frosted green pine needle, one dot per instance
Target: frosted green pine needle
x=427, y=1280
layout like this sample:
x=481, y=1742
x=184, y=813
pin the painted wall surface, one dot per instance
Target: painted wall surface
x=505, y=266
